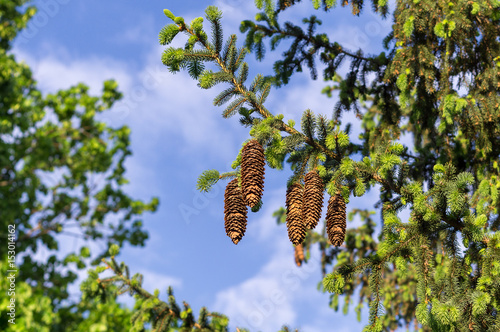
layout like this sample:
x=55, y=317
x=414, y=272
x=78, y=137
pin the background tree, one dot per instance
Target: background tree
x=61, y=174
x=439, y=83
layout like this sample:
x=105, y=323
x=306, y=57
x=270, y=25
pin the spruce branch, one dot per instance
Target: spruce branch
x=315, y=43
x=225, y=96
x=173, y=58
x=228, y=48
x=162, y=315
x=207, y=179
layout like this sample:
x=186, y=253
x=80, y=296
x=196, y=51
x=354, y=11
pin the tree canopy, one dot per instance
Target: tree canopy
x=61, y=175
x=437, y=81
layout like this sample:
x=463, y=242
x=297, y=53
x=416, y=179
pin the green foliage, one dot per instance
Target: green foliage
x=334, y=283
x=168, y=33
x=169, y=14
x=213, y=14
x=35, y=312
x=114, y=250
x=173, y=58
x=149, y=309
x=207, y=179
x=53, y=149
x=280, y=215
x=34, y=146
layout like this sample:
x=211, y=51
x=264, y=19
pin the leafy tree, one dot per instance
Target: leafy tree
x=61, y=174
x=438, y=81
x=34, y=311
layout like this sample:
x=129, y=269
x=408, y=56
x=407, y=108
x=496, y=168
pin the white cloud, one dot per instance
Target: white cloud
x=142, y=32
x=153, y=280
x=280, y=293
x=264, y=301
x=58, y=70
x=235, y=11
x=163, y=106
x=265, y=228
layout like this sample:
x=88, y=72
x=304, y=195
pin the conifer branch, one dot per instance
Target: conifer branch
x=229, y=46
x=414, y=82
x=315, y=43
x=162, y=315
x=211, y=54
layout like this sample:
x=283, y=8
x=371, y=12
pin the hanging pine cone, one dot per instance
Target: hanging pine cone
x=294, y=217
x=313, y=199
x=299, y=255
x=336, y=220
x=252, y=172
x=235, y=212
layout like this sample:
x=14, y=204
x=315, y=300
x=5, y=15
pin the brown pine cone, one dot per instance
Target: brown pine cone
x=235, y=212
x=336, y=220
x=294, y=217
x=252, y=172
x=313, y=199
x=299, y=254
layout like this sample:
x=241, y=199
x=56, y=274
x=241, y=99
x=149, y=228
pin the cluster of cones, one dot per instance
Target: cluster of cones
x=237, y=199
x=303, y=203
x=303, y=211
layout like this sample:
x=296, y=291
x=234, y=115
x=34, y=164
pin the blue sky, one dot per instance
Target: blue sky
x=176, y=134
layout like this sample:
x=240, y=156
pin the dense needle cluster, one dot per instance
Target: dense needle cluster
x=313, y=199
x=294, y=214
x=235, y=212
x=252, y=172
x=336, y=220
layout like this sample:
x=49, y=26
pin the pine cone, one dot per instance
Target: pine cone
x=285, y=3
x=294, y=217
x=313, y=199
x=299, y=254
x=336, y=220
x=235, y=212
x=252, y=172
